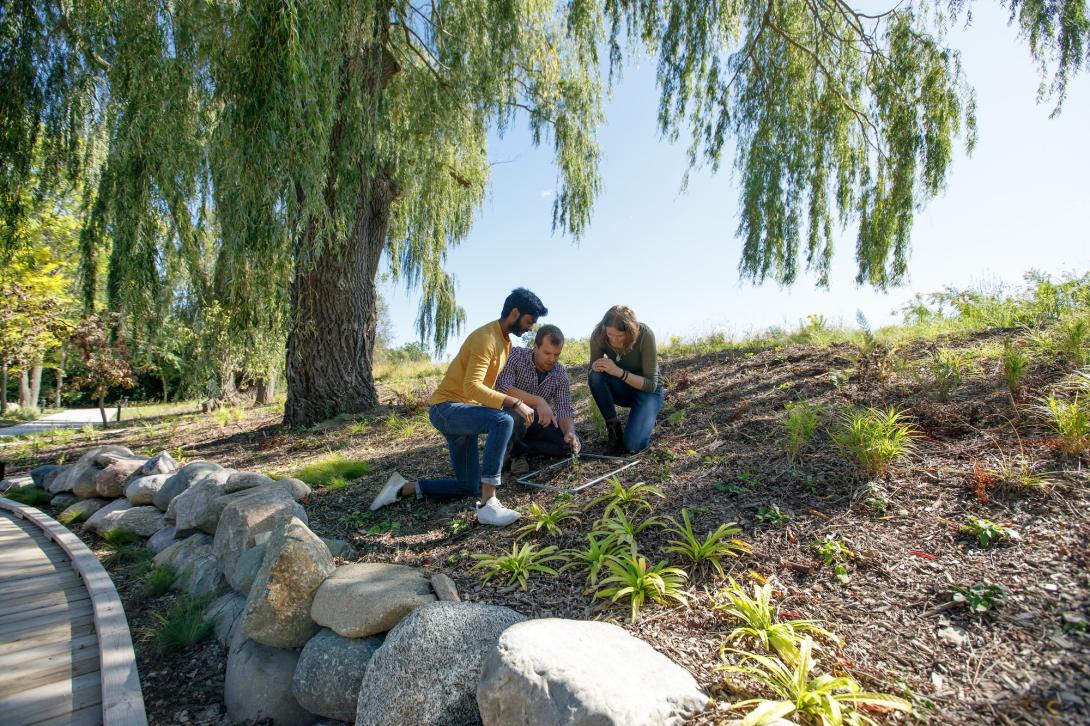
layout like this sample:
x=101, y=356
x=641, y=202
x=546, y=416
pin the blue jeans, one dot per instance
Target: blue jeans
x=609, y=392
x=462, y=423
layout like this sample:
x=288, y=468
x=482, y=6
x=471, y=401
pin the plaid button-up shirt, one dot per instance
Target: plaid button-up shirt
x=520, y=373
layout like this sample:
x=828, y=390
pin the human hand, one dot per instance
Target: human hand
x=526, y=412
x=572, y=440
x=544, y=411
x=605, y=365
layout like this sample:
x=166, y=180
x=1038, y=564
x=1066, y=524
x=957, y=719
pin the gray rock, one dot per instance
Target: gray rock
x=161, y=540
x=225, y=612
x=104, y=458
x=339, y=548
x=210, y=521
x=141, y=521
x=367, y=598
x=242, y=577
x=82, y=473
x=161, y=463
x=62, y=501
x=15, y=483
x=327, y=676
x=191, y=506
x=181, y=480
x=110, y=482
x=141, y=490
x=278, y=606
x=43, y=475
x=436, y=653
x=243, y=520
x=258, y=685
x=200, y=576
x=241, y=480
x=97, y=520
x=297, y=488
x=183, y=551
x=82, y=510
x=444, y=588
x=540, y=673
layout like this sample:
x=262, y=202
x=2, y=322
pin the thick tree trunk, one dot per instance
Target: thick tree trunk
x=24, y=390
x=36, y=385
x=265, y=388
x=330, y=354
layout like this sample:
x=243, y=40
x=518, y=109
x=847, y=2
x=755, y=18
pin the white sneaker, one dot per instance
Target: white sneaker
x=492, y=512
x=389, y=493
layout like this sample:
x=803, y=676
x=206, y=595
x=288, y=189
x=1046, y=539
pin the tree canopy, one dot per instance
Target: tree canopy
x=248, y=165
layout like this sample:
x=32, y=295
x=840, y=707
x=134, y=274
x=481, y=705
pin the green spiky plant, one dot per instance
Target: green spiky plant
x=627, y=499
x=818, y=699
x=760, y=621
x=874, y=438
x=626, y=530
x=800, y=422
x=632, y=577
x=710, y=551
x=1014, y=364
x=182, y=625
x=1070, y=419
x=518, y=565
x=548, y=520
x=593, y=557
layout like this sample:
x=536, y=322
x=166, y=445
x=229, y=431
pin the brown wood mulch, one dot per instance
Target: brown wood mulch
x=723, y=459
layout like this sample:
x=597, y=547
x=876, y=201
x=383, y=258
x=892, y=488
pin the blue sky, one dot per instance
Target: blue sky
x=1020, y=202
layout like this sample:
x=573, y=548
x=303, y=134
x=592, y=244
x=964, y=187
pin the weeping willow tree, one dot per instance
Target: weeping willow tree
x=269, y=154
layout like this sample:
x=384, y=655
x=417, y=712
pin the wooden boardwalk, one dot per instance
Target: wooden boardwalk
x=65, y=652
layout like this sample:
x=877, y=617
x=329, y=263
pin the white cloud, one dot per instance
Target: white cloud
x=546, y=194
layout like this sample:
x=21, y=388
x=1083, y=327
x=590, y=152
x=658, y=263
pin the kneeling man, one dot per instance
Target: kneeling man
x=536, y=377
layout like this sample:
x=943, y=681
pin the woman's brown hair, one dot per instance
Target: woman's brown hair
x=618, y=317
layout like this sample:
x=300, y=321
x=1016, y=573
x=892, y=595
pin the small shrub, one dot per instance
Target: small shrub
x=711, y=550
x=979, y=598
x=119, y=537
x=333, y=471
x=632, y=577
x=1014, y=364
x=1070, y=420
x=519, y=564
x=800, y=422
x=158, y=580
x=676, y=418
x=987, y=532
x=627, y=499
x=624, y=529
x=593, y=558
x=772, y=514
x=873, y=438
x=835, y=554
x=760, y=622
x=182, y=625
x=549, y=520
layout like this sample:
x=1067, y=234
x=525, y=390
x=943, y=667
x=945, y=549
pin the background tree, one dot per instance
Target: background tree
x=273, y=156
x=105, y=358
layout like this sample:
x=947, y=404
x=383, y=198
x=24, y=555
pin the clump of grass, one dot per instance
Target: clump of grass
x=182, y=625
x=593, y=558
x=333, y=471
x=68, y=518
x=874, y=438
x=707, y=552
x=1014, y=364
x=31, y=496
x=627, y=499
x=944, y=371
x=119, y=537
x=401, y=427
x=624, y=529
x=800, y=422
x=158, y=580
x=761, y=623
x=1070, y=419
x=634, y=578
x=518, y=565
x=550, y=520
x=127, y=553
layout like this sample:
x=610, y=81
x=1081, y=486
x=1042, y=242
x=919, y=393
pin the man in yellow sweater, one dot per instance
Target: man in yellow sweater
x=466, y=405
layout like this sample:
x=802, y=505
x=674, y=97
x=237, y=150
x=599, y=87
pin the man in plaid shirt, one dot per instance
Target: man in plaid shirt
x=536, y=377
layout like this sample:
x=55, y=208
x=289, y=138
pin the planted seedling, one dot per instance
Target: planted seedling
x=835, y=554
x=981, y=597
x=987, y=532
x=772, y=514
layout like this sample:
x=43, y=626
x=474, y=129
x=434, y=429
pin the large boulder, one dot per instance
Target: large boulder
x=210, y=521
x=244, y=519
x=63, y=501
x=197, y=572
x=161, y=540
x=242, y=577
x=327, y=676
x=540, y=673
x=161, y=463
x=142, y=489
x=367, y=598
x=257, y=685
x=82, y=473
x=278, y=605
x=184, y=551
x=181, y=480
x=245, y=480
x=191, y=506
x=43, y=475
x=436, y=654
x=298, y=488
x=81, y=510
x=97, y=522
x=110, y=482
x=141, y=521
x=225, y=612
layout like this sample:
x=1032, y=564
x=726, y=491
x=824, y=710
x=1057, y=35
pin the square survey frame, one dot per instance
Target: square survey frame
x=527, y=479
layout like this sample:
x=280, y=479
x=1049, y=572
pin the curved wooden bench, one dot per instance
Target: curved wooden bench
x=122, y=702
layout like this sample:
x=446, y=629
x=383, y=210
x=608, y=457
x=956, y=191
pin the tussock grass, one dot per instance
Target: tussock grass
x=182, y=625
x=333, y=471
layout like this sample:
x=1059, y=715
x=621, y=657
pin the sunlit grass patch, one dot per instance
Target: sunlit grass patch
x=333, y=472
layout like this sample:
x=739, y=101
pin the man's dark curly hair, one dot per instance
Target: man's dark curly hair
x=527, y=303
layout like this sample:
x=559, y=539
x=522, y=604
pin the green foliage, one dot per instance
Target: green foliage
x=835, y=554
x=987, y=532
x=332, y=471
x=979, y=598
x=944, y=370
x=550, y=520
x=799, y=423
x=624, y=529
x=711, y=550
x=627, y=499
x=401, y=427
x=1070, y=339
x=119, y=537
x=598, y=550
x=31, y=496
x=873, y=438
x=1014, y=364
x=182, y=625
x=822, y=699
x=675, y=418
x=1070, y=419
x=519, y=564
x=633, y=578
x=126, y=554
x=158, y=580
x=772, y=514
x=68, y=518
x=760, y=622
